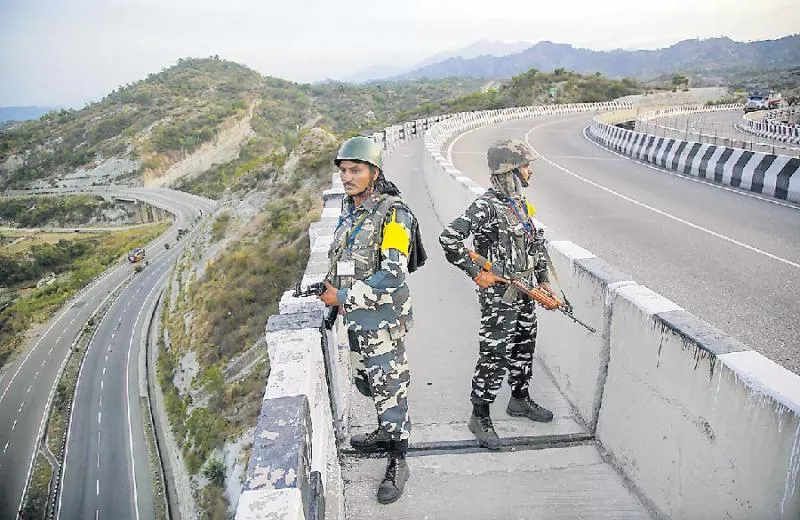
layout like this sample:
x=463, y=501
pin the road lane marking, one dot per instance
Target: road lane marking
x=104, y=370
x=98, y=487
x=98, y=461
x=658, y=211
x=99, y=417
x=101, y=385
x=6, y=446
x=14, y=425
x=37, y=374
x=72, y=321
x=98, y=438
x=128, y=399
x=49, y=351
x=96, y=514
x=29, y=389
x=20, y=407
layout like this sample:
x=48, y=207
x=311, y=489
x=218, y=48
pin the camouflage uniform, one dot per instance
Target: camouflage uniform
x=500, y=223
x=376, y=302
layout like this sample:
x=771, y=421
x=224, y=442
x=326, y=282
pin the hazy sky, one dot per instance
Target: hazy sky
x=65, y=52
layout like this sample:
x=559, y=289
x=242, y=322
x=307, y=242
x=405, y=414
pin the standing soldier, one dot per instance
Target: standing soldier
x=503, y=232
x=369, y=261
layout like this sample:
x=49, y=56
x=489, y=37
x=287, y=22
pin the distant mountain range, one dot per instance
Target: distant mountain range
x=23, y=113
x=711, y=55
x=479, y=48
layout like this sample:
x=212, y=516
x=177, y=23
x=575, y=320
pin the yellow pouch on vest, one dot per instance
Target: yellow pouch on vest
x=531, y=209
x=395, y=236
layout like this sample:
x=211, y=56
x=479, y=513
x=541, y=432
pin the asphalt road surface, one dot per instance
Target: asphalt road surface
x=28, y=383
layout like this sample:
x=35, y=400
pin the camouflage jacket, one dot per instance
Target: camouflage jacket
x=376, y=237
x=502, y=231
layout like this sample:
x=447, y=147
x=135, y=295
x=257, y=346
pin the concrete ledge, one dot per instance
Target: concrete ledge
x=576, y=358
x=696, y=436
x=285, y=504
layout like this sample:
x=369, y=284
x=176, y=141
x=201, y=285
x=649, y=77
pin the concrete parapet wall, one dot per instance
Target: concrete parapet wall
x=704, y=427
x=767, y=174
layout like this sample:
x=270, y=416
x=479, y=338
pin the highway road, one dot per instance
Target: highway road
x=27, y=386
x=730, y=257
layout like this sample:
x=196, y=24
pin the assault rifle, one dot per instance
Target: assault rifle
x=315, y=289
x=545, y=299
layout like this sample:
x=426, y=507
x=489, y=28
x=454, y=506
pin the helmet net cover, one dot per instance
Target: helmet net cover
x=509, y=154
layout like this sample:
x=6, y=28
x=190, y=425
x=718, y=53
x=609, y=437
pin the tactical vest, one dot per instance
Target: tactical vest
x=360, y=242
x=511, y=251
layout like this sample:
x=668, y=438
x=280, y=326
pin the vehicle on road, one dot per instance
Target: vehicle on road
x=762, y=101
x=136, y=255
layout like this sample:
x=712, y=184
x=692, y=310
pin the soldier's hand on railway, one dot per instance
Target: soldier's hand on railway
x=487, y=279
x=330, y=296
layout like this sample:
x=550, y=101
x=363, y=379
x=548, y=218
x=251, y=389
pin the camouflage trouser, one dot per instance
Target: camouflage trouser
x=507, y=341
x=380, y=370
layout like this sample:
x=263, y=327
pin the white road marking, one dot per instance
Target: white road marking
x=20, y=407
x=96, y=514
x=99, y=417
x=98, y=438
x=72, y=321
x=37, y=374
x=29, y=389
x=5, y=447
x=43, y=362
x=101, y=385
x=59, y=338
x=14, y=425
x=104, y=370
x=658, y=211
x=98, y=487
x=98, y=461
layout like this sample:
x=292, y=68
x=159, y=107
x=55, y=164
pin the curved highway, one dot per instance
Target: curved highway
x=730, y=257
x=28, y=384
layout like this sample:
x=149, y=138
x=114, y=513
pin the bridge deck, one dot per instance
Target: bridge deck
x=545, y=471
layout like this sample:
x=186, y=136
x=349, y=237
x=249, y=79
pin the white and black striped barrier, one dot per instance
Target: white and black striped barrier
x=773, y=126
x=767, y=174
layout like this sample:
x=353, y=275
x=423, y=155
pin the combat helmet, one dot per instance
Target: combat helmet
x=507, y=155
x=361, y=149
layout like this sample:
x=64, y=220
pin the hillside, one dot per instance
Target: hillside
x=534, y=88
x=711, y=55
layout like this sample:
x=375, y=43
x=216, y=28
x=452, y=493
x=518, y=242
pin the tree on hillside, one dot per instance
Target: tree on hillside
x=680, y=81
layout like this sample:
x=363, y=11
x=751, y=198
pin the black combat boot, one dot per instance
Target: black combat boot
x=481, y=425
x=524, y=406
x=397, y=473
x=376, y=440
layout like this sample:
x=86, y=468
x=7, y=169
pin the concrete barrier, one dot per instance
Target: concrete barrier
x=771, y=125
x=768, y=174
x=702, y=426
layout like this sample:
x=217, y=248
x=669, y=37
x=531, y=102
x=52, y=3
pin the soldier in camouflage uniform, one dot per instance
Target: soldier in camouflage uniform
x=369, y=263
x=502, y=231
